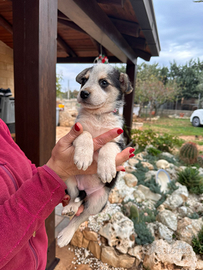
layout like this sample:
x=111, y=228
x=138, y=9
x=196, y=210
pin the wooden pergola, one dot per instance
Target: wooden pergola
x=45, y=32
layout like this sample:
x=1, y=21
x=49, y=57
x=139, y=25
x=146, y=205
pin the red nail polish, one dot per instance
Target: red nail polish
x=132, y=150
x=119, y=131
x=77, y=128
x=131, y=155
x=123, y=170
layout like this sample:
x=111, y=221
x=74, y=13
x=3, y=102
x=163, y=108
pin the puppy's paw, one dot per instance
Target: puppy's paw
x=71, y=209
x=84, y=150
x=106, y=170
x=65, y=236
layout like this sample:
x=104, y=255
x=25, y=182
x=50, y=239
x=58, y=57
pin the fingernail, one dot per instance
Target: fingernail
x=77, y=128
x=123, y=170
x=119, y=131
x=132, y=150
x=132, y=155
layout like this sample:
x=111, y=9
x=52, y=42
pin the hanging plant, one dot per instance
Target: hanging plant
x=101, y=59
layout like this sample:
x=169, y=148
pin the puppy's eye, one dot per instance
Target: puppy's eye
x=103, y=83
x=83, y=81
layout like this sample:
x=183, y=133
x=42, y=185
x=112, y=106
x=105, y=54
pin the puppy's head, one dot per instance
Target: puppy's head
x=102, y=87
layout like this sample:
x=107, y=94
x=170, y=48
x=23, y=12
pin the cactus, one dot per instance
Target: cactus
x=189, y=153
x=200, y=161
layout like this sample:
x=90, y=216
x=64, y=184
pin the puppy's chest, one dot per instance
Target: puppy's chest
x=96, y=125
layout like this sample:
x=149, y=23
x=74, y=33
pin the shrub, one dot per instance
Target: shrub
x=200, y=161
x=189, y=153
x=164, y=142
x=197, y=242
x=153, y=151
x=192, y=180
x=144, y=235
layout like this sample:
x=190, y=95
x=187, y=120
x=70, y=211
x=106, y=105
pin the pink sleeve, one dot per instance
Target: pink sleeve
x=26, y=210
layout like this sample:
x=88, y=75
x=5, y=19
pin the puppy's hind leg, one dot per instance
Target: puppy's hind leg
x=94, y=204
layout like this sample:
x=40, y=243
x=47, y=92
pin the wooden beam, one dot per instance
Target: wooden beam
x=136, y=43
x=131, y=70
x=84, y=60
x=127, y=27
x=65, y=46
x=34, y=35
x=114, y=2
x=70, y=24
x=94, y=21
x=142, y=54
x=5, y=24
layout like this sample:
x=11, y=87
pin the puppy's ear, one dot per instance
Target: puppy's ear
x=81, y=75
x=125, y=83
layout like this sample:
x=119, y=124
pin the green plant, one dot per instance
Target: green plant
x=200, y=161
x=144, y=235
x=194, y=216
x=134, y=213
x=189, y=153
x=192, y=180
x=153, y=151
x=197, y=242
x=163, y=142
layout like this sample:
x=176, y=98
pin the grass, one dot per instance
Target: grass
x=176, y=127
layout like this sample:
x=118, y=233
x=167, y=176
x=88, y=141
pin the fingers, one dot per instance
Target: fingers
x=75, y=131
x=124, y=155
x=106, y=137
x=65, y=200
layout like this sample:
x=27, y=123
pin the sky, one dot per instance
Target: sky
x=180, y=30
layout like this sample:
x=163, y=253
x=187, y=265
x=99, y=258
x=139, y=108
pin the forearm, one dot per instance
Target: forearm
x=25, y=211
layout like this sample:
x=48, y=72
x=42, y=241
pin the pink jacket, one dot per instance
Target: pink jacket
x=28, y=195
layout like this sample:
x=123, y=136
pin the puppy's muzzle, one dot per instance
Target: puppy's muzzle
x=84, y=94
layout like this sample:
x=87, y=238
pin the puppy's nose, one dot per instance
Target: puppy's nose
x=84, y=94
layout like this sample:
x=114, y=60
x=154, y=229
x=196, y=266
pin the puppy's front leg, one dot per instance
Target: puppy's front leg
x=84, y=150
x=106, y=169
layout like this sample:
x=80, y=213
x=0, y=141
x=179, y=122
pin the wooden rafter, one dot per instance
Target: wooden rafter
x=136, y=43
x=126, y=27
x=114, y=2
x=84, y=60
x=5, y=24
x=70, y=24
x=65, y=46
x=93, y=20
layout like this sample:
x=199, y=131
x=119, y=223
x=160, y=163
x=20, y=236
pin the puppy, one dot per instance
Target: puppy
x=100, y=96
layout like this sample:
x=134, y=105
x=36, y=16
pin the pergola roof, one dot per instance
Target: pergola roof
x=121, y=29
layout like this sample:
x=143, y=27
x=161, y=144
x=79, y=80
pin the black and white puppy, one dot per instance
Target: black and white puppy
x=100, y=96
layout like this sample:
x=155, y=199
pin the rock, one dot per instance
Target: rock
x=162, y=164
x=147, y=165
x=182, y=191
x=77, y=239
x=130, y=169
x=130, y=180
x=85, y=243
x=133, y=161
x=148, y=193
x=119, y=232
x=136, y=252
x=138, y=195
x=183, y=211
x=199, y=264
x=164, y=232
x=160, y=253
x=168, y=155
x=90, y=235
x=187, y=228
x=115, y=196
x=174, y=201
x=110, y=256
x=95, y=248
x=168, y=218
x=150, y=174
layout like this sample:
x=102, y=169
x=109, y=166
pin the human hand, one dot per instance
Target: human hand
x=62, y=162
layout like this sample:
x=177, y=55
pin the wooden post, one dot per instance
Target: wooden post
x=131, y=70
x=34, y=35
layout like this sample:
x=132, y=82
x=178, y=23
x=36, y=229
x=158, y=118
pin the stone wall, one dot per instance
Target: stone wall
x=6, y=67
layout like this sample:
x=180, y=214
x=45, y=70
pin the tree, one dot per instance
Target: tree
x=59, y=79
x=187, y=77
x=150, y=89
